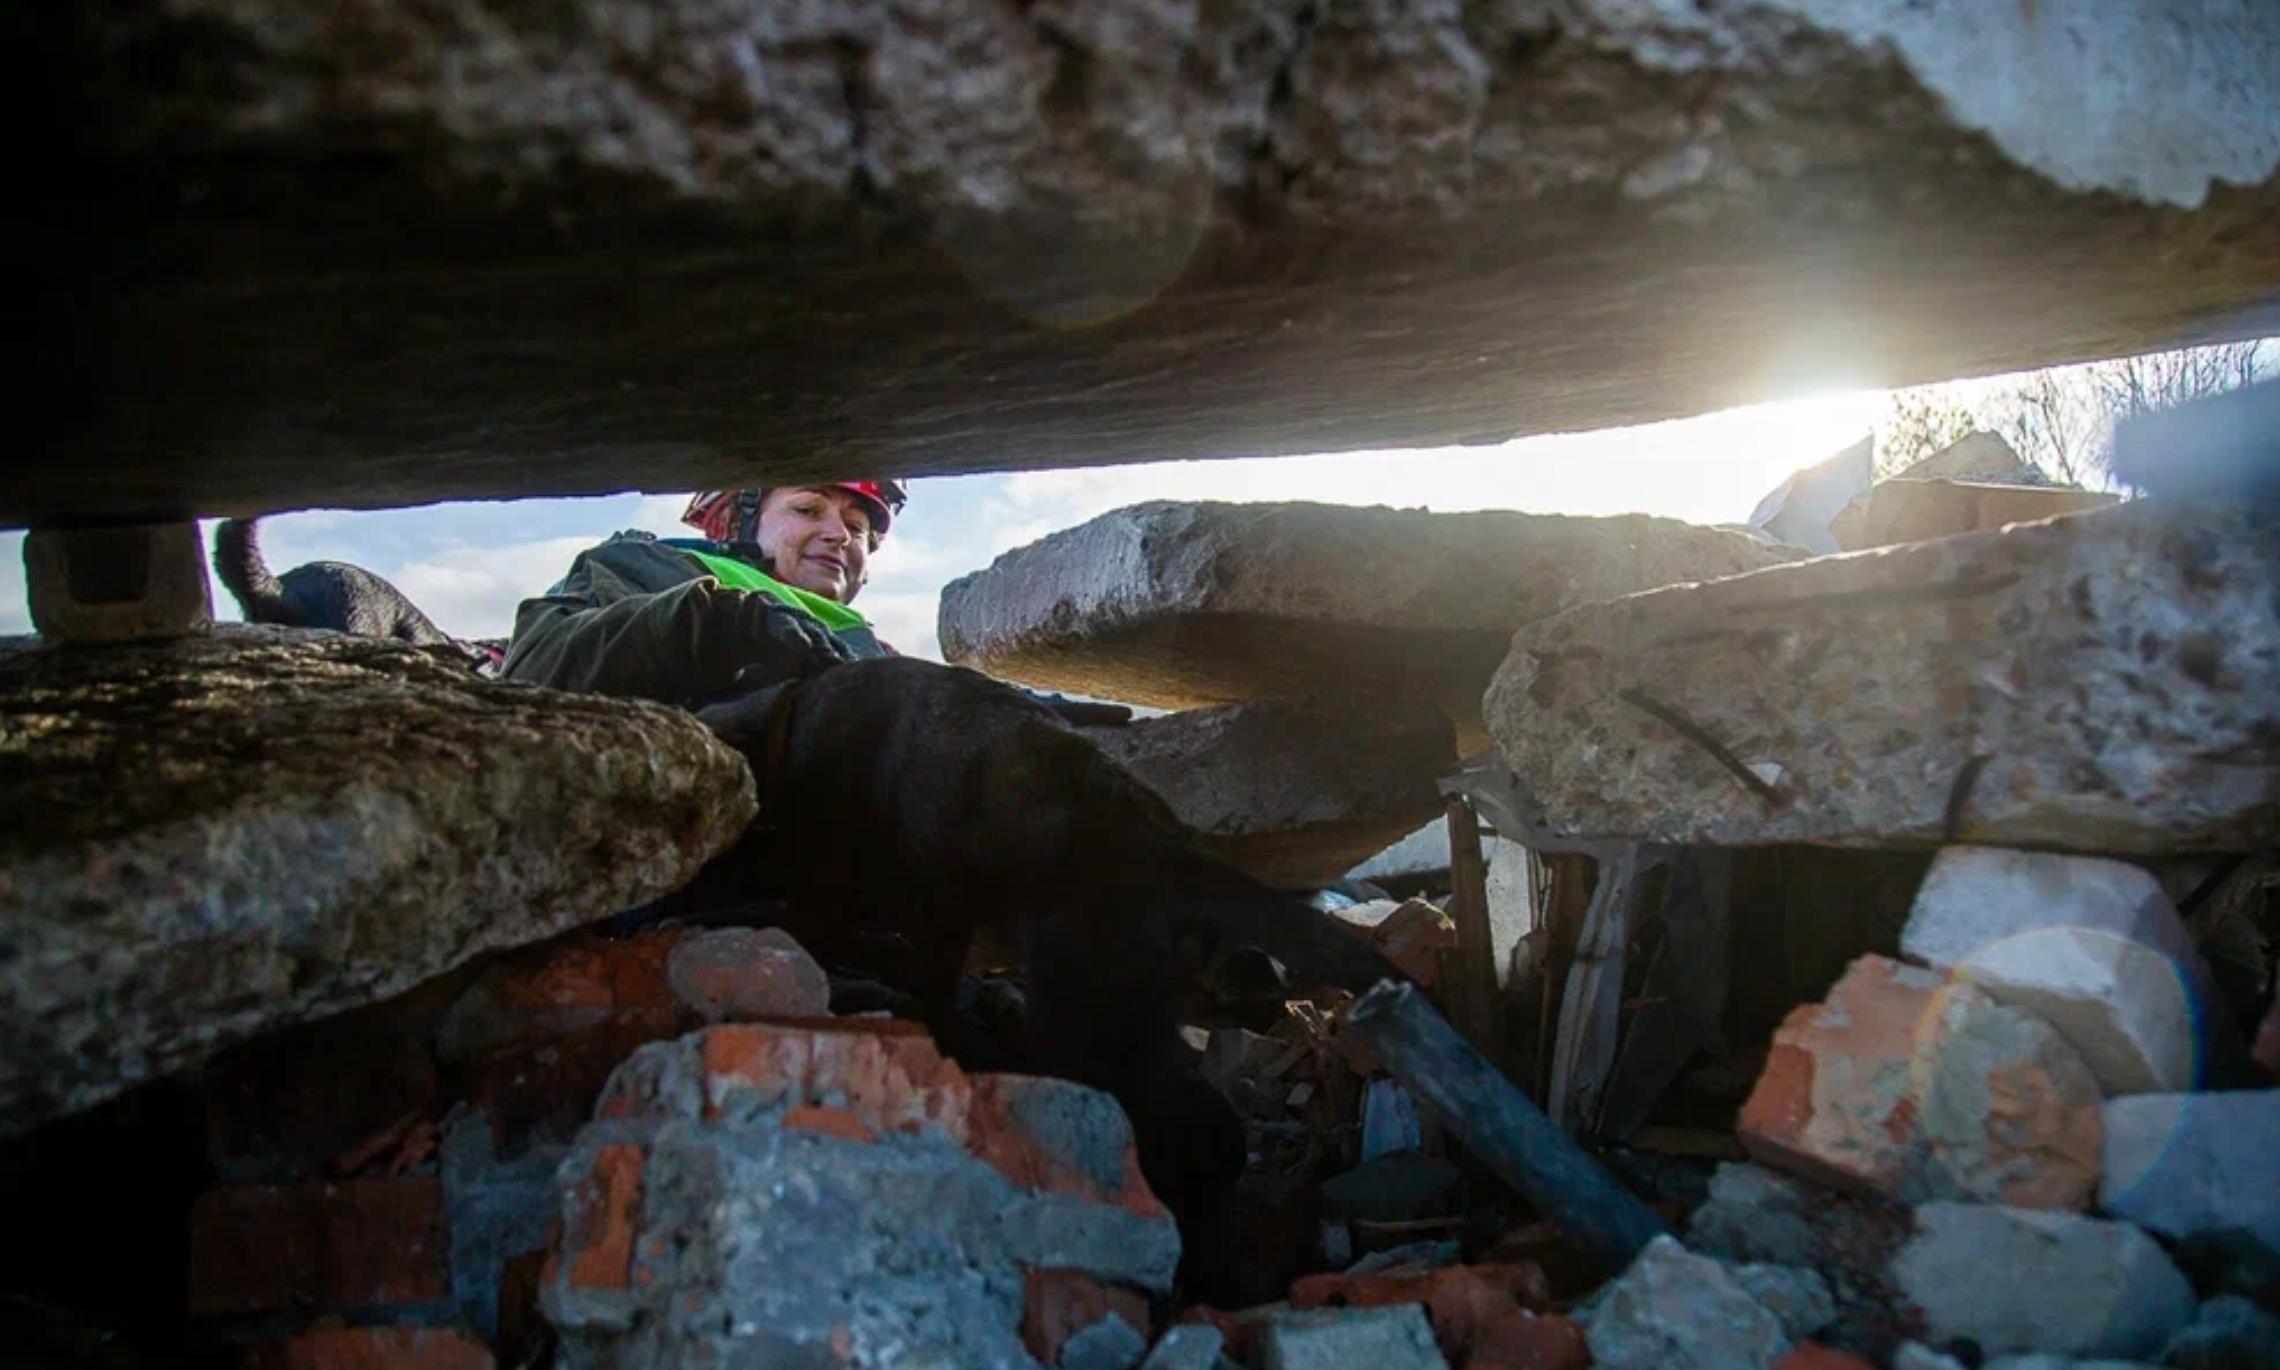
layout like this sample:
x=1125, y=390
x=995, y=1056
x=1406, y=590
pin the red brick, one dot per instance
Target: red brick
x=831, y=1122
x=330, y=1095
x=1058, y=1304
x=1459, y=1299
x=566, y=986
x=1811, y=1355
x=886, y=1074
x=995, y=1134
x=375, y=1348
x=357, y=1244
x=605, y=1209
x=1906, y=1084
x=1835, y=1103
x=1516, y=1339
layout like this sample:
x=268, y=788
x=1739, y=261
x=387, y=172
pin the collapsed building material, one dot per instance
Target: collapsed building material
x=1800, y=512
x=1183, y=605
x=2200, y=1171
x=1294, y=792
x=724, y=1208
x=1894, y=511
x=1392, y=1338
x=1675, y=1310
x=1498, y=1124
x=1976, y=456
x=2107, y=683
x=2022, y=1280
x=1905, y=1085
x=616, y=245
x=232, y=832
x=2091, y=946
x=1423, y=855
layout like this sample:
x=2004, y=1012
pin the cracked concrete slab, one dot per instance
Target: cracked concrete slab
x=1183, y=605
x=295, y=253
x=2104, y=683
x=1294, y=792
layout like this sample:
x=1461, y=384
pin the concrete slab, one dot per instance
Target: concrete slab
x=398, y=252
x=2106, y=683
x=1182, y=605
x=1293, y=792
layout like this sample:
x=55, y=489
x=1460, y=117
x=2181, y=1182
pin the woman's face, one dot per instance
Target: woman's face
x=818, y=539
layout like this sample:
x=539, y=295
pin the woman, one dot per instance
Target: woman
x=761, y=599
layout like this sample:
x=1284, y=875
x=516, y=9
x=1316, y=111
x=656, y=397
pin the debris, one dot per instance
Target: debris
x=1415, y=1256
x=1811, y=1355
x=1902, y=1084
x=318, y=821
x=1498, y=1124
x=1675, y=1310
x=2093, y=946
x=1396, y=1187
x=1189, y=1346
x=373, y=1348
x=1393, y=1338
x=2227, y=1333
x=1799, y=1297
x=725, y=974
x=1293, y=791
x=2077, y=655
x=2200, y=1170
x=1109, y=1344
x=1896, y=511
x=1976, y=456
x=1522, y=1339
x=1421, y=856
x=2018, y=1280
x=1189, y=605
x=1389, y=1120
x=1799, y=510
x=744, y=1149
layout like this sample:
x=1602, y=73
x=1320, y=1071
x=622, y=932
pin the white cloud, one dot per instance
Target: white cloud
x=473, y=591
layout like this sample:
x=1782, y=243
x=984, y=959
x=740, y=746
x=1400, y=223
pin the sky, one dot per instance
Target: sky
x=468, y=564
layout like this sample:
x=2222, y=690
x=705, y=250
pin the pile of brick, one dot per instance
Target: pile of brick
x=2006, y=1145
x=383, y=1181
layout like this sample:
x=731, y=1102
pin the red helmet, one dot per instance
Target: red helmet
x=734, y=515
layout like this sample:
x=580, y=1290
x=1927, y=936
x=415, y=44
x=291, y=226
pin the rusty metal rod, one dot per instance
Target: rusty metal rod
x=1497, y=1124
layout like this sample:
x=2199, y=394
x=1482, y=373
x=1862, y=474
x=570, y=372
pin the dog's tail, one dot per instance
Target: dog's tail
x=238, y=565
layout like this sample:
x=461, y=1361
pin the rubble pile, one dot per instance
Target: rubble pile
x=1988, y=1079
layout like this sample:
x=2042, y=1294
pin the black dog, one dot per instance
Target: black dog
x=909, y=807
x=321, y=594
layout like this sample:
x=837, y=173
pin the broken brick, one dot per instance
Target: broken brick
x=374, y=1348
x=1911, y=1085
x=830, y=1122
x=1812, y=1355
x=1458, y=1300
x=1058, y=1137
x=355, y=1244
x=604, y=1210
x=569, y=985
x=886, y=1073
x=1058, y=1304
x=1519, y=1339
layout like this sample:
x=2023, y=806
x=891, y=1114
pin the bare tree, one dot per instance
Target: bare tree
x=2063, y=419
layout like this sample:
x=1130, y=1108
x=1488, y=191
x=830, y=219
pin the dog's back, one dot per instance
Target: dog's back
x=320, y=594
